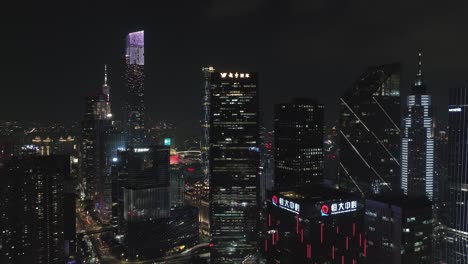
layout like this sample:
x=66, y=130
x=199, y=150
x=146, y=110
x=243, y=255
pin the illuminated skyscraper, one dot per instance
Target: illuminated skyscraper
x=417, y=147
x=104, y=105
x=205, y=123
x=457, y=230
x=134, y=85
x=370, y=133
x=234, y=166
x=298, y=143
x=97, y=120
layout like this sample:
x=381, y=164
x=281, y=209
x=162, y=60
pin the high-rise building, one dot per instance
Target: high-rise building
x=150, y=227
x=417, y=146
x=457, y=229
x=205, y=123
x=441, y=192
x=134, y=89
x=314, y=225
x=97, y=121
x=298, y=143
x=267, y=161
x=141, y=191
x=33, y=220
x=234, y=165
x=112, y=139
x=370, y=132
x=398, y=229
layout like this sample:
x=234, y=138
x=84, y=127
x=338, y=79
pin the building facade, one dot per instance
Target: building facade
x=369, y=136
x=234, y=165
x=457, y=226
x=314, y=225
x=417, y=146
x=298, y=143
x=33, y=218
x=399, y=229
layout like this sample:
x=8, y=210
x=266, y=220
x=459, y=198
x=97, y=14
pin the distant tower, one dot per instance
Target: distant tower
x=134, y=85
x=417, y=147
x=205, y=123
x=103, y=103
x=298, y=143
x=370, y=132
x=96, y=124
x=234, y=166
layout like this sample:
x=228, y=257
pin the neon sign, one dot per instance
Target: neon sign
x=324, y=211
x=141, y=150
x=234, y=75
x=456, y=109
x=338, y=208
x=285, y=204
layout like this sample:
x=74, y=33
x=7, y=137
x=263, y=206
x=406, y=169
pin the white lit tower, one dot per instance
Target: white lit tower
x=417, y=147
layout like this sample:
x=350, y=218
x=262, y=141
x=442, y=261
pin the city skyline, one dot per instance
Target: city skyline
x=247, y=131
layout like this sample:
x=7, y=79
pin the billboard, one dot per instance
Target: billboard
x=285, y=204
x=335, y=208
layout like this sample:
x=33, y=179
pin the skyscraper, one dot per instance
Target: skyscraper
x=97, y=120
x=234, y=166
x=205, y=123
x=142, y=195
x=298, y=143
x=398, y=229
x=417, y=147
x=457, y=229
x=370, y=133
x=33, y=227
x=134, y=89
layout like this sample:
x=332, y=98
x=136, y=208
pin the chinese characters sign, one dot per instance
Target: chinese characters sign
x=285, y=204
x=234, y=75
x=338, y=208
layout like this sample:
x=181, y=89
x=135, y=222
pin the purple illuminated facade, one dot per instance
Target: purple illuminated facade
x=135, y=48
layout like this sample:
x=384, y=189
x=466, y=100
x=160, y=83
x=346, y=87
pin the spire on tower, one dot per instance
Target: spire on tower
x=419, y=87
x=419, y=77
x=105, y=86
x=105, y=74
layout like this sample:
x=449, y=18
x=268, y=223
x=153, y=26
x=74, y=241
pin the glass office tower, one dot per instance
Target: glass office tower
x=369, y=134
x=457, y=230
x=298, y=143
x=234, y=166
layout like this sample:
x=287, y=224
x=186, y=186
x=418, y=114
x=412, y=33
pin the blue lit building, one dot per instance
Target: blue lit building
x=417, y=147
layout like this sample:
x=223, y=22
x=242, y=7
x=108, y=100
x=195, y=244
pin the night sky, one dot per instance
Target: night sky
x=53, y=55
